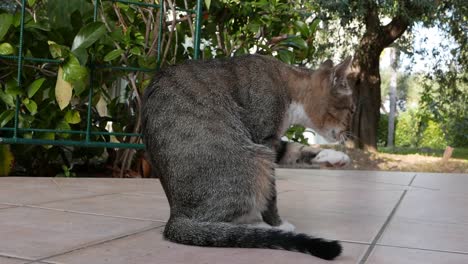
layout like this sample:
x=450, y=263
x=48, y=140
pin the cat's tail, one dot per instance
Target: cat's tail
x=190, y=232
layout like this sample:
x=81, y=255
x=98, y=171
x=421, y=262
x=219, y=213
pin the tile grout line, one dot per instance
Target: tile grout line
x=96, y=243
x=426, y=249
x=355, y=242
x=10, y=207
x=93, y=214
x=384, y=226
x=412, y=180
x=71, y=199
x=4, y=255
x=57, y=200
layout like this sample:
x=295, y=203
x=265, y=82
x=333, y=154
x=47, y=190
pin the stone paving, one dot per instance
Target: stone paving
x=380, y=217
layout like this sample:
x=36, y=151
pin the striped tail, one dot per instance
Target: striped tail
x=207, y=234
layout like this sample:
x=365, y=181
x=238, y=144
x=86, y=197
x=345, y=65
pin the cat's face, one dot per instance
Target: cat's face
x=337, y=112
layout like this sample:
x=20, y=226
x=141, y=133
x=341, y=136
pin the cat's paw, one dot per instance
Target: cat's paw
x=333, y=158
x=286, y=226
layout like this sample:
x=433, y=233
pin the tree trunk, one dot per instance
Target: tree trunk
x=367, y=94
x=392, y=95
x=367, y=82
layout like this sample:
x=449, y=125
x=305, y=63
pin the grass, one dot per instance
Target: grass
x=458, y=153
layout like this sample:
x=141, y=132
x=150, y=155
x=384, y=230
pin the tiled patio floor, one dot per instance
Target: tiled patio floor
x=381, y=217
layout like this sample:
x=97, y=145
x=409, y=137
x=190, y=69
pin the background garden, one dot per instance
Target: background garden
x=412, y=92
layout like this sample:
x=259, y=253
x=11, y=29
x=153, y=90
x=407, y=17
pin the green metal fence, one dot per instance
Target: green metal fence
x=16, y=137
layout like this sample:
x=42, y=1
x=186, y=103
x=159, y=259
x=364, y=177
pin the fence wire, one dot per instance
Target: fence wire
x=16, y=137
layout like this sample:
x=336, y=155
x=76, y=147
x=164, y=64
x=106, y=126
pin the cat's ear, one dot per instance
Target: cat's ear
x=328, y=64
x=339, y=77
x=344, y=68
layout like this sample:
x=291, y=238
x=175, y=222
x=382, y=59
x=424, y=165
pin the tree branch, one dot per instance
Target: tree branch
x=372, y=16
x=408, y=11
x=394, y=30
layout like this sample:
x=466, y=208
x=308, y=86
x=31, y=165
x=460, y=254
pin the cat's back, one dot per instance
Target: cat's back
x=214, y=76
x=237, y=92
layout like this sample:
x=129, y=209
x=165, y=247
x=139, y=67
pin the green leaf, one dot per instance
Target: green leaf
x=72, y=117
x=25, y=121
x=7, y=98
x=6, y=160
x=34, y=87
x=30, y=105
x=12, y=88
x=63, y=125
x=207, y=3
x=59, y=12
x=113, y=55
x=136, y=51
x=81, y=55
x=253, y=27
x=41, y=25
x=47, y=136
x=302, y=27
x=6, y=49
x=6, y=116
x=16, y=19
x=54, y=49
x=295, y=42
x=79, y=88
x=31, y=2
x=125, y=7
x=88, y=35
x=58, y=51
x=314, y=26
x=63, y=90
x=5, y=22
x=286, y=56
x=73, y=71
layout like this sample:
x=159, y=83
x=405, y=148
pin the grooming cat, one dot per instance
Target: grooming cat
x=213, y=133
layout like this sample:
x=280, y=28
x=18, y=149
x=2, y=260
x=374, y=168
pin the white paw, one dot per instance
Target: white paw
x=332, y=157
x=286, y=226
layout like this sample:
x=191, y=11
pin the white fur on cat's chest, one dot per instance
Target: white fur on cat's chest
x=295, y=115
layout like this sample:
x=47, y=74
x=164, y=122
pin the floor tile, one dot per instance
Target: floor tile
x=32, y=233
x=131, y=205
x=30, y=191
x=434, y=206
x=106, y=185
x=426, y=235
x=371, y=202
x=388, y=177
x=392, y=255
x=348, y=215
x=3, y=206
x=309, y=180
x=17, y=190
x=355, y=228
x=451, y=183
x=149, y=247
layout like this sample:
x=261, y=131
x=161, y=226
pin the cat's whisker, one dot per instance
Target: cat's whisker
x=342, y=139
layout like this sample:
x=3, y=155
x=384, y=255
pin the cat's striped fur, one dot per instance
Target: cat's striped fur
x=213, y=133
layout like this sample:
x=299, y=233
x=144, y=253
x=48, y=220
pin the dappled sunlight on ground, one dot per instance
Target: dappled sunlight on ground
x=363, y=160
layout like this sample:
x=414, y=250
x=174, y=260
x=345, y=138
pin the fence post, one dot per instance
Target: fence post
x=198, y=22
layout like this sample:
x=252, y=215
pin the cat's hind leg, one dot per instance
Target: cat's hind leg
x=271, y=215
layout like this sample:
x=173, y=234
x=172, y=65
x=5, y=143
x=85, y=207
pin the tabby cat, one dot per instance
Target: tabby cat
x=213, y=133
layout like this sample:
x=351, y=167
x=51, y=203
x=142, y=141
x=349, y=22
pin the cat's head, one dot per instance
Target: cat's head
x=337, y=106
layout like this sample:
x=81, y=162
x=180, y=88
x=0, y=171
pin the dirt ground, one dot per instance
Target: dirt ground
x=362, y=160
